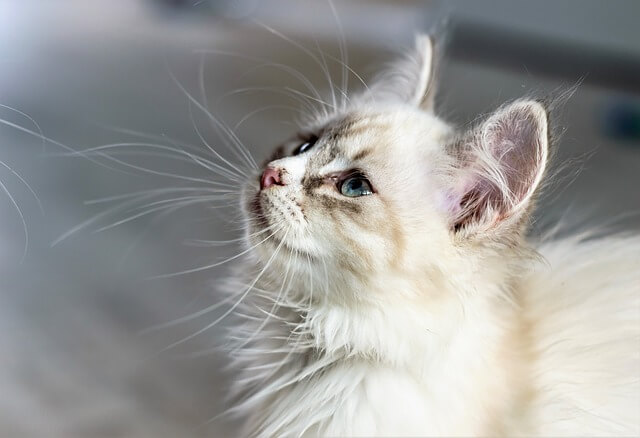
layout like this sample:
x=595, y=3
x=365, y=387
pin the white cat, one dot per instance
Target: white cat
x=390, y=290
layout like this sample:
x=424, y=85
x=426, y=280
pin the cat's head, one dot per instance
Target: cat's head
x=385, y=187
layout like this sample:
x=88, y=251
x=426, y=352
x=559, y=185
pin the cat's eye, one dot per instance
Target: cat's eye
x=356, y=186
x=306, y=145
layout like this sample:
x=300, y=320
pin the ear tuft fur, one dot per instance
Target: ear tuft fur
x=500, y=166
x=411, y=79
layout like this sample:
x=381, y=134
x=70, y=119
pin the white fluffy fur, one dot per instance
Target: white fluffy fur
x=466, y=331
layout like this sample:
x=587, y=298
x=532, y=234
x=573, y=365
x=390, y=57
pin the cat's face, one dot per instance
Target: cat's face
x=386, y=186
x=348, y=191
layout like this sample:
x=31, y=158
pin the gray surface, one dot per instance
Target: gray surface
x=72, y=361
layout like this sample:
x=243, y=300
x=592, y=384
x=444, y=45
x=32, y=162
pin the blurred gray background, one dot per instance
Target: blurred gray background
x=73, y=361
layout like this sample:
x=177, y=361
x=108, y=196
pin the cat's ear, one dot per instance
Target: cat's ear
x=411, y=79
x=498, y=167
x=424, y=83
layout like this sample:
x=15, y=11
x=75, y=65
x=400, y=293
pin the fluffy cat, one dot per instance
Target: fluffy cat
x=390, y=290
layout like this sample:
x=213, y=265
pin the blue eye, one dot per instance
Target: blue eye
x=356, y=186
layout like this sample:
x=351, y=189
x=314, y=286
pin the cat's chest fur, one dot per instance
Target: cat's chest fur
x=339, y=370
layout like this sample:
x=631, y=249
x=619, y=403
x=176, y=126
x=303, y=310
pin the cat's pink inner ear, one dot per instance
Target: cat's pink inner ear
x=504, y=162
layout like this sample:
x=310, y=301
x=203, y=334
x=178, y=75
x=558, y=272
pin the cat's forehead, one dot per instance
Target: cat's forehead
x=350, y=137
x=357, y=136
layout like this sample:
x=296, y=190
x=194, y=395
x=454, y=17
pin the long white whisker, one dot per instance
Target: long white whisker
x=259, y=110
x=180, y=145
x=196, y=159
x=245, y=153
x=320, y=101
x=343, y=52
x=205, y=102
x=327, y=74
x=32, y=120
x=269, y=314
x=288, y=69
x=293, y=72
x=96, y=218
x=193, y=160
x=181, y=149
x=25, y=183
x=159, y=173
x=22, y=219
x=160, y=205
x=201, y=312
x=207, y=243
x=213, y=265
x=278, y=90
x=153, y=192
x=57, y=143
x=291, y=41
x=208, y=145
x=353, y=72
x=236, y=304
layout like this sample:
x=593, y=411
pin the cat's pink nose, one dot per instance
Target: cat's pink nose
x=270, y=177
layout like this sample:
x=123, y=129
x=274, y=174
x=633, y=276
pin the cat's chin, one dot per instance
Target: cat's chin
x=285, y=247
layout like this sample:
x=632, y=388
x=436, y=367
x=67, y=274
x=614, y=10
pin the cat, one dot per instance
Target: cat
x=389, y=288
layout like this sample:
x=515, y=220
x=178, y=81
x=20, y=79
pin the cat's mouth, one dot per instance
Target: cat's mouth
x=282, y=218
x=278, y=210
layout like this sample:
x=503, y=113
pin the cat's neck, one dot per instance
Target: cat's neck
x=392, y=318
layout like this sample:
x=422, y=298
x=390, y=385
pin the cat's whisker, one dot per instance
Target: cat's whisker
x=25, y=183
x=326, y=72
x=46, y=139
x=208, y=309
x=146, y=213
x=234, y=144
x=180, y=146
x=92, y=220
x=32, y=120
x=207, y=198
x=160, y=173
x=233, y=172
x=366, y=87
x=298, y=46
x=271, y=312
x=234, y=306
x=260, y=110
x=292, y=71
x=310, y=280
x=13, y=201
x=154, y=192
x=315, y=99
x=139, y=238
x=207, y=243
x=194, y=161
x=130, y=199
x=161, y=205
x=204, y=141
x=343, y=54
x=327, y=284
x=213, y=265
x=22, y=219
x=301, y=99
x=288, y=69
x=239, y=147
x=99, y=150
x=205, y=103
